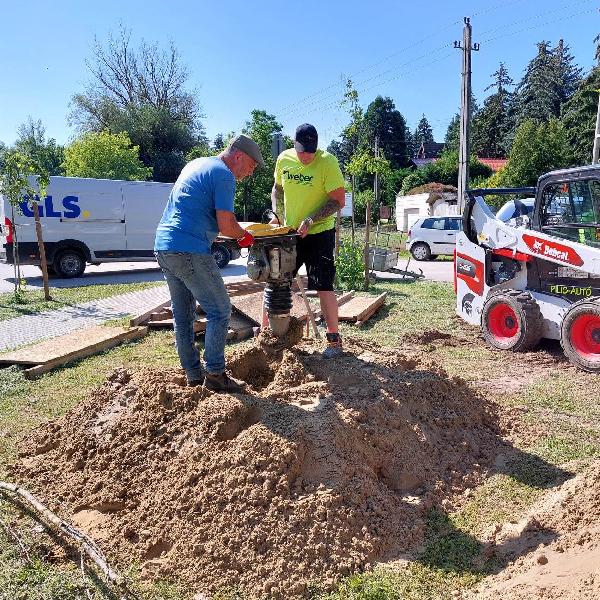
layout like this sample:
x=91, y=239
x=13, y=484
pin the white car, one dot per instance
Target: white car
x=432, y=236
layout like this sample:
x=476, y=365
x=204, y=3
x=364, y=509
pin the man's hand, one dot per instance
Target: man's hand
x=246, y=240
x=304, y=226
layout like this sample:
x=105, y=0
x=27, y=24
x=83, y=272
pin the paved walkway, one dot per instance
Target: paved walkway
x=32, y=328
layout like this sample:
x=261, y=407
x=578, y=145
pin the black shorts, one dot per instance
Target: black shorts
x=316, y=252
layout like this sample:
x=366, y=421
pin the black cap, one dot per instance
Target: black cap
x=306, y=139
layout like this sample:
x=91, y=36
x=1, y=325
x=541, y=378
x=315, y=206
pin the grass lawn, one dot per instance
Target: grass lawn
x=560, y=423
x=31, y=302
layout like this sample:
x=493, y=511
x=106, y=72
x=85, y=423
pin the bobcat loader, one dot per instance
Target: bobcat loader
x=536, y=276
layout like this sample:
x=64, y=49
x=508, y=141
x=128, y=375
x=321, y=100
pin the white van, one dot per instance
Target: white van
x=92, y=221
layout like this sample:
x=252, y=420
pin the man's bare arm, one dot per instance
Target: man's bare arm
x=336, y=200
x=277, y=202
x=228, y=224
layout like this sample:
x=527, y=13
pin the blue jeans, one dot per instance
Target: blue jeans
x=191, y=278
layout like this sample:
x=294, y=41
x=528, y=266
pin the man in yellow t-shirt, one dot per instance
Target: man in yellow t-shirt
x=309, y=190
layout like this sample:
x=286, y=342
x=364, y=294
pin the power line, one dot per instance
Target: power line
x=443, y=29
x=325, y=108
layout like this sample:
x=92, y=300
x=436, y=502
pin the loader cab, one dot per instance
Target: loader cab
x=568, y=209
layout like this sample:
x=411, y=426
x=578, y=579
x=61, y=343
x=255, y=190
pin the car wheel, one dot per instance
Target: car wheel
x=69, y=263
x=221, y=255
x=420, y=251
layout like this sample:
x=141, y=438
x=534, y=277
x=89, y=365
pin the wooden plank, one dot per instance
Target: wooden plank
x=143, y=317
x=199, y=324
x=377, y=303
x=251, y=306
x=59, y=346
x=121, y=336
x=358, y=307
x=345, y=297
x=241, y=288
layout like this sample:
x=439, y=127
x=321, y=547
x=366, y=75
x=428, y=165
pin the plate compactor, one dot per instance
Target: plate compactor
x=272, y=259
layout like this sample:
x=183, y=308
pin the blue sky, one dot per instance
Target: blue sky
x=287, y=58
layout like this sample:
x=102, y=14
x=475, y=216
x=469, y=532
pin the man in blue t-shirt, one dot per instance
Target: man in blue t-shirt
x=199, y=207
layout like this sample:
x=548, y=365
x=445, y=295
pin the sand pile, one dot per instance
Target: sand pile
x=555, y=549
x=323, y=468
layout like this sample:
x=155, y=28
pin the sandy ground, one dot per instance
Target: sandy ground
x=321, y=469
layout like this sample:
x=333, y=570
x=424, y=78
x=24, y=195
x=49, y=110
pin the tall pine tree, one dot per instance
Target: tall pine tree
x=492, y=124
x=579, y=114
x=550, y=80
x=383, y=120
x=423, y=133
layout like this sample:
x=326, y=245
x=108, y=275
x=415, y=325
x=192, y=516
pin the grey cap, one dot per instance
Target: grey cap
x=248, y=146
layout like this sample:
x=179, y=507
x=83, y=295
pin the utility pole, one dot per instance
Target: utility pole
x=465, y=113
x=596, y=151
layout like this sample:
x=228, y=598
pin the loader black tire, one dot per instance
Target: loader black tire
x=580, y=335
x=512, y=320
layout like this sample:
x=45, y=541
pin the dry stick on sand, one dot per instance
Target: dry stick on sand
x=86, y=543
x=311, y=316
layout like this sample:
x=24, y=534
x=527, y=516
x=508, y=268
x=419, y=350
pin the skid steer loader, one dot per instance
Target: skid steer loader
x=536, y=276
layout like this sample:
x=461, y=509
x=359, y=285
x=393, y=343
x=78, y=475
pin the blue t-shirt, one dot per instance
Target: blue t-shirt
x=189, y=221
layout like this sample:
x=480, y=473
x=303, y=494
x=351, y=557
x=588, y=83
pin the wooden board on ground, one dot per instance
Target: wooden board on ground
x=240, y=327
x=63, y=349
x=145, y=316
x=159, y=323
x=251, y=306
x=361, y=308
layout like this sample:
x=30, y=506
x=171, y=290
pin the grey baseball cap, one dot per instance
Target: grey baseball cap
x=248, y=146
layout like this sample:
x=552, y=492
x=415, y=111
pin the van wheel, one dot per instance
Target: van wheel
x=69, y=263
x=50, y=268
x=420, y=251
x=221, y=255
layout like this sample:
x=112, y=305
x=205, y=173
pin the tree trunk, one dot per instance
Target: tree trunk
x=40, y=241
x=367, y=232
x=352, y=197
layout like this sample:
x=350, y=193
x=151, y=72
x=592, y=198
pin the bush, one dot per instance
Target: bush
x=350, y=267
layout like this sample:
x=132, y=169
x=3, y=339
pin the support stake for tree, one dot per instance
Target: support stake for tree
x=42, y=249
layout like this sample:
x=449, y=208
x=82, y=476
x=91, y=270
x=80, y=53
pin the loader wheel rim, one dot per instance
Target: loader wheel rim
x=585, y=336
x=503, y=322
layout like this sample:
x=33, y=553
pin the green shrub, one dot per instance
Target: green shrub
x=350, y=267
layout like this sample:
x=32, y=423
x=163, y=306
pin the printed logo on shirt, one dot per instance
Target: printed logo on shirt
x=298, y=177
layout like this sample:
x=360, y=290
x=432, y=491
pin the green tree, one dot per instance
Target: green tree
x=579, y=117
x=452, y=139
x=142, y=92
x=537, y=149
x=423, y=133
x=445, y=170
x=493, y=122
x=23, y=178
x=105, y=155
x=550, y=79
x=218, y=143
x=31, y=142
x=253, y=195
x=383, y=121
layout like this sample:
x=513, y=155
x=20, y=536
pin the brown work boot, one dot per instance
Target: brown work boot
x=221, y=382
x=334, y=346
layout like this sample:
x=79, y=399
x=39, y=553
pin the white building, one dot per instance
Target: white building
x=411, y=208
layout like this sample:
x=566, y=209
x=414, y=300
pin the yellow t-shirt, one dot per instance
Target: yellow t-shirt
x=306, y=187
